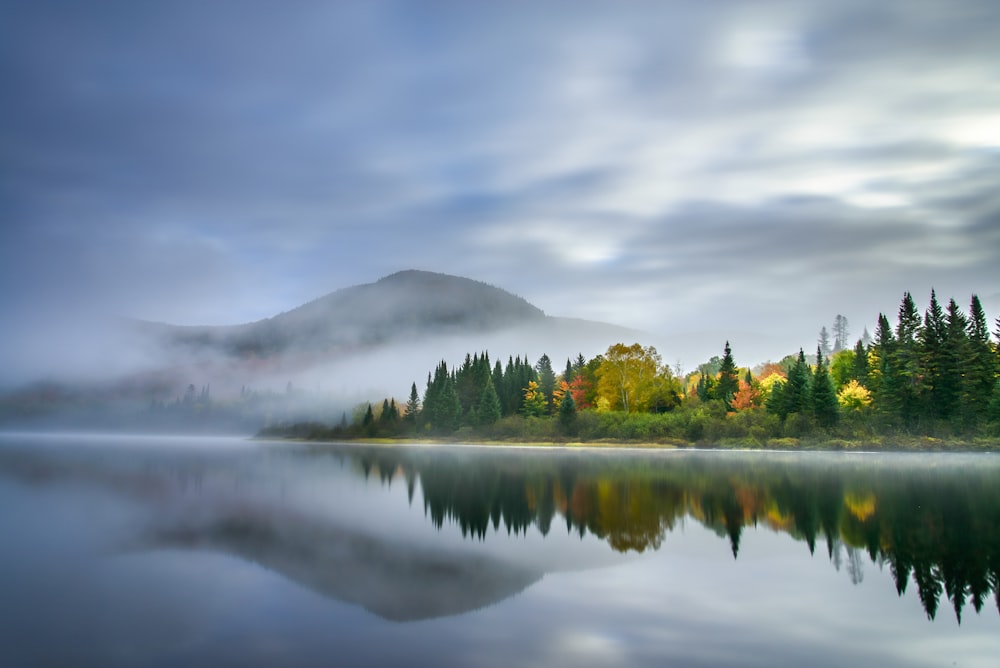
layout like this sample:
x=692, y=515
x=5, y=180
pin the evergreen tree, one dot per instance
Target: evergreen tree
x=568, y=373
x=729, y=382
x=796, y=393
x=955, y=348
x=824, y=398
x=546, y=380
x=488, y=410
x=413, y=406
x=860, y=372
x=882, y=377
x=906, y=363
x=567, y=415
x=775, y=402
x=932, y=342
x=368, y=422
x=450, y=412
x=980, y=368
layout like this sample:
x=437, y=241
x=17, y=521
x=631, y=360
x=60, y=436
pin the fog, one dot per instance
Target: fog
x=315, y=362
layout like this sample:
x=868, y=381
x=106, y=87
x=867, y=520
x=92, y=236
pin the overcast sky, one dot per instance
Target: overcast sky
x=701, y=171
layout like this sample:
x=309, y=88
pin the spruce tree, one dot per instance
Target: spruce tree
x=954, y=349
x=882, y=376
x=729, y=382
x=546, y=380
x=488, y=411
x=860, y=371
x=824, y=398
x=412, y=406
x=980, y=368
x=932, y=342
x=906, y=362
x=796, y=393
x=567, y=415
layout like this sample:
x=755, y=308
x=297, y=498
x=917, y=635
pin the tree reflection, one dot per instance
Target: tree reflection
x=935, y=526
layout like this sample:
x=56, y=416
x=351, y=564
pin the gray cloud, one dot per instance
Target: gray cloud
x=694, y=171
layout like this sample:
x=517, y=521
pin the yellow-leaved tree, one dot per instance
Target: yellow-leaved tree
x=625, y=378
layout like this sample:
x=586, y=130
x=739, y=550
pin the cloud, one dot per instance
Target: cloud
x=629, y=163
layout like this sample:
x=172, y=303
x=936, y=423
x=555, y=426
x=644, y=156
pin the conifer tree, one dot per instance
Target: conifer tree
x=906, y=362
x=824, y=398
x=729, y=382
x=567, y=415
x=980, y=368
x=412, y=405
x=954, y=351
x=882, y=376
x=546, y=380
x=488, y=411
x=796, y=393
x=860, y=371
x=932, y=343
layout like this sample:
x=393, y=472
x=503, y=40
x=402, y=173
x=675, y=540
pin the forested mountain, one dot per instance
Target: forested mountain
x=309, y=362
x=405, y=304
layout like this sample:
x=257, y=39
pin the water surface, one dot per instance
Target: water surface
x=196, y=551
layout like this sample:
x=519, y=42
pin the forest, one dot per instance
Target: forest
x=928, y=382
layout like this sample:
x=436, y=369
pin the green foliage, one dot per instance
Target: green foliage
x=824, y=398
x=546, y=380
x=935, y=376
x=567, y=415
x=728, y=382
x=488, y=410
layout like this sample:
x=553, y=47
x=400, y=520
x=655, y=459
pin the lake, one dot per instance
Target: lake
x=160, y=551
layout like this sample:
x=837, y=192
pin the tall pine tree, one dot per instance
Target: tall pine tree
x=824, y=398
x=729, y=381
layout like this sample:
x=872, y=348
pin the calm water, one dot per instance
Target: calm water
x=165, y=552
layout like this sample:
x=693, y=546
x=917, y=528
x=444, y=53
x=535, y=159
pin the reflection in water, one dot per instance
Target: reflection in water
x=935, y=521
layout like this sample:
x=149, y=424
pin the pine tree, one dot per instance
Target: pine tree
x=567, y=415
x=932, y=342
x=729, y=382
x=882, y=376
x=955, y=350
x=906, y=362
x=796, y=393
x=860, y=371
x=980, y=368
x=412, y=406
x=824, y=398
x=546, y=380
x=488, y=411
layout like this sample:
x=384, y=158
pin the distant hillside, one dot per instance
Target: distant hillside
x=405, y=304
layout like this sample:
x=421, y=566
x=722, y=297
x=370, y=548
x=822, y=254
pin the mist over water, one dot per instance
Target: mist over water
x=156, y=550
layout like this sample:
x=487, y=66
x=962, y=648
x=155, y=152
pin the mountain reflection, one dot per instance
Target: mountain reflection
x=934, y=520
x=334, y=518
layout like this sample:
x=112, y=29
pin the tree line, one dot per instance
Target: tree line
x=935, y=375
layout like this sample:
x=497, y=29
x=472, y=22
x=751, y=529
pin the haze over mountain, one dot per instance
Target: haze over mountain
x=405, y=308
x=356, y=344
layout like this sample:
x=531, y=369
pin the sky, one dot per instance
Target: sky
x=700, y=171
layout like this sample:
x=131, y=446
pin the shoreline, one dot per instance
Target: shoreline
x=895, y=444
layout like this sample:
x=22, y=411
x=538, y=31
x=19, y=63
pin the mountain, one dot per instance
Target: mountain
x=315, y=361
x=406, y=304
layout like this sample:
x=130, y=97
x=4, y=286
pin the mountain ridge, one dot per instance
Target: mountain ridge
x=407, y=303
